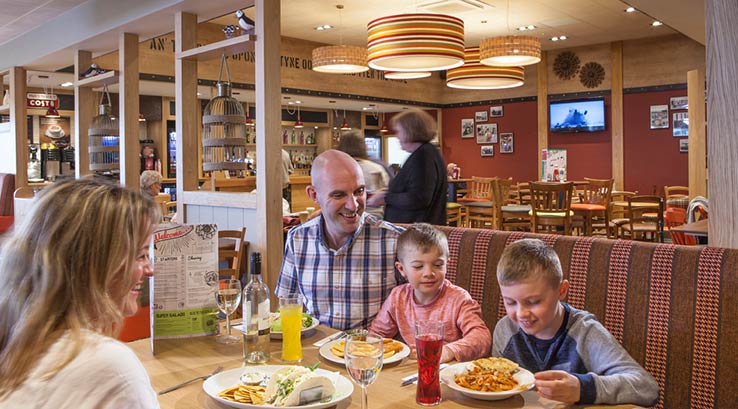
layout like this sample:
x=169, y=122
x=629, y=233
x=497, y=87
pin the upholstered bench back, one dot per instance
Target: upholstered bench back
x=674, y=308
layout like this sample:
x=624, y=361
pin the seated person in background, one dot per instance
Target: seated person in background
x=71, y=272
x=574, y=358
x=422, y=252
x=375, y=175
x=150, y=183
x=342, y=261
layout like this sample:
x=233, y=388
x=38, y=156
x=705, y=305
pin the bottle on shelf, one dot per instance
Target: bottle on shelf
x=292, y=137
x=285, y=139
x=256, y=316
x=302, y=137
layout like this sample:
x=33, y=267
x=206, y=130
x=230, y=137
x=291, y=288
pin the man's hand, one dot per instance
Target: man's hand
x=558, y=385
x=376, y=199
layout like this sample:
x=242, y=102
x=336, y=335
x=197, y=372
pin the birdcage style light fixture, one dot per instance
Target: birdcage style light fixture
x=223, y=129
x=104, y=135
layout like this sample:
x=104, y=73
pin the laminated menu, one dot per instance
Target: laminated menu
x=185, y=260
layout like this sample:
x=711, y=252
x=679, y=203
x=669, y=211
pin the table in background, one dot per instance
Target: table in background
x=698, y=228
x=453, y=187
x=178, y=360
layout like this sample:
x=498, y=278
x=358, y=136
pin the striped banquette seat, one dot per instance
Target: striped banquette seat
x=674, y=308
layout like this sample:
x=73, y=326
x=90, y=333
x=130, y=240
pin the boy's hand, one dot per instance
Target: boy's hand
x=446, y=355
x=558, y=385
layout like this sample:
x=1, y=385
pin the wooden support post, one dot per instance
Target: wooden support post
x=185, y=35
x=19, y=124
x=268, y=149
x=542, y=68
x=616, y=102
x=722, y=145
x=130, y=163
x=697, y=134
x=85, y=108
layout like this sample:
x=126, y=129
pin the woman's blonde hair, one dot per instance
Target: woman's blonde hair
x=418, y=125
x=68, y=267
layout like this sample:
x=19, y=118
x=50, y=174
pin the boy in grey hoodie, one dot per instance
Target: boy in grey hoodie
x=574, y=358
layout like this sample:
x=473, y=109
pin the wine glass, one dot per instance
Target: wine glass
x=363, y=354
x=227, y=297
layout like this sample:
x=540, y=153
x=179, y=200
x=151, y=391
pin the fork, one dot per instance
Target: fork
x=185, y=383
x=331, y=338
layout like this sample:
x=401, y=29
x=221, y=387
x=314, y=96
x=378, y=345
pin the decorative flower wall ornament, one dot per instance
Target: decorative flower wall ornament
x=591, y=74
x=566, y=65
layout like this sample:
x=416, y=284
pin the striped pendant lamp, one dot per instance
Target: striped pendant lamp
x=415, y=42
x=475, y=75
x=406, y=75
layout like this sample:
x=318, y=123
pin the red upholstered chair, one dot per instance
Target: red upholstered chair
x=593, y=204
x=7, y=187
x=137, y=326
x=673, y=217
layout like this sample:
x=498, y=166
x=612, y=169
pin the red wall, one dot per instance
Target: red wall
x=519, y=118
x=651, y=158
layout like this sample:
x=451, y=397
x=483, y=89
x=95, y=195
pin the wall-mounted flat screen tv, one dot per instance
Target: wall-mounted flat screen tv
x=577, y=115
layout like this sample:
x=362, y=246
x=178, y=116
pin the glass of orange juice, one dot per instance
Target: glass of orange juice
x=290, y=311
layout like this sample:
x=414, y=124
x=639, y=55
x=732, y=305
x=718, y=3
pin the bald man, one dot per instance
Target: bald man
x=342, y=262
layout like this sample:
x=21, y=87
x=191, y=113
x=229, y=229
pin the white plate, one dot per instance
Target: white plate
x=325, y=352
x=229, y=379
x=278, y=334
x=523, y=376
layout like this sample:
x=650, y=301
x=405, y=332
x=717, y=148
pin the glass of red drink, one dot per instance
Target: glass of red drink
x=429, y=345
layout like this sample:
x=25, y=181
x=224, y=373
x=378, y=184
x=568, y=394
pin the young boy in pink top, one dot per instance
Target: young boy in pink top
x=422, y=252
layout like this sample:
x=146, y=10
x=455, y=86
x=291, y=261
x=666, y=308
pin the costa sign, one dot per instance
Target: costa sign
x=34, y=100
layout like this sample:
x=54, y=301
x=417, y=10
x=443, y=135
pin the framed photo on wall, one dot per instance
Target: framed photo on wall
x=681, y=124
x=683, y=145
x=659, y=116
x=506, y=142
x=488, y=150
x=467, y=128
x=486, y=133
x=495, y=112
x=679, y=103
x=480, y=116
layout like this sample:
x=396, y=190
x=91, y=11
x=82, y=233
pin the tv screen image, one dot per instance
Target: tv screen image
x=577, y=116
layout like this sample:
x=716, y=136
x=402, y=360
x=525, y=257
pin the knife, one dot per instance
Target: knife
x=337, y=335
x=410, y=379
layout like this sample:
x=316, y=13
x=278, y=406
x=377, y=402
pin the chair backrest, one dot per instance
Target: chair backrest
x=551, y=196
x=647, y=210
x=676, y=192
x=674, y=217
x=7, y=190
x=169, y=209
x=597, y=191
x=230, y=252
x=481, y=188
x=617, y=212
x=523, y=189
x=501, y=189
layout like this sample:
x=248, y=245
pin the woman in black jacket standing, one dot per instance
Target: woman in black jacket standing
x=418, y=192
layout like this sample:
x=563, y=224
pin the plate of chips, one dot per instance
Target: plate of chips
x=227, y=389
x=488, y=378
x=394, y=351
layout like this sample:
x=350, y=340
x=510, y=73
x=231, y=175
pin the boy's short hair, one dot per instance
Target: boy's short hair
x=423, y=236
x=526, y=259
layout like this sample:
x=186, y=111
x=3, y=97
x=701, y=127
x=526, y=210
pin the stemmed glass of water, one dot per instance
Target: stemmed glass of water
x=228, y=297
x=363, y=354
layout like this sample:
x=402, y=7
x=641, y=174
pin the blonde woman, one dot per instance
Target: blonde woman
x=70, y=274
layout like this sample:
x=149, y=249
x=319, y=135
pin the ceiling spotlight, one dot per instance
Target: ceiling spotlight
x=559, y=38
x=67, y=84
x=531, y=27
x=554, y=39
x=324, y=27
x=563, y=38
x=657, y=23
x=630, y=9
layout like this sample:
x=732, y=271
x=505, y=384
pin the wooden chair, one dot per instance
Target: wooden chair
x=618, y=214
x=169, y=209
x=231, y=253
x=478, y=203
x=594, y=202
x=676, y=196
x=674, y=217
x=509, y=212
x=454, y=215
x=479, y=191
x=646, y=220
x=551, y=206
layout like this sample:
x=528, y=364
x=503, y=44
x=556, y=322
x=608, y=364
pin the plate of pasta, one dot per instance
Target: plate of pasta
x=488, y=378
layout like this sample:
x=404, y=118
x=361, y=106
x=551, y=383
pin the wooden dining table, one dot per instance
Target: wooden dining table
x=178, y=360
x=698, y=228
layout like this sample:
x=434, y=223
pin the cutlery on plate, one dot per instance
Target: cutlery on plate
x=179, y=385
x=410, y=379
x=330, y=338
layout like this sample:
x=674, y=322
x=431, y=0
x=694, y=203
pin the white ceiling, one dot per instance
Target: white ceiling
x=584, y=22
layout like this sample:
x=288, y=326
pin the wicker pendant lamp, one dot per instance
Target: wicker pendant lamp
x=340, y=59
x=475, y=75
x=416, y=42
x=510, y=50
x=104, y=137
x=223, y=129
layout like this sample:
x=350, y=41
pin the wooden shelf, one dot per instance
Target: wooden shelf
x=229, y=46
x=106, y=78
x=4, y=109
x=300, y=145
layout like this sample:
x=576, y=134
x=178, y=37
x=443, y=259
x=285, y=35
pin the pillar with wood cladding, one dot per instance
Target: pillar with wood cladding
x=616, y=109
x=19, y=124
x=542, y=109
x=722, y=145
x=130, y=163
x=85, y=108
x=697, y=134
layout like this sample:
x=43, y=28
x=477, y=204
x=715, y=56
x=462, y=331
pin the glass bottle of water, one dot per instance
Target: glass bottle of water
x=256, y=316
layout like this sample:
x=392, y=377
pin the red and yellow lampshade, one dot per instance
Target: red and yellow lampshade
x=475, y=75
